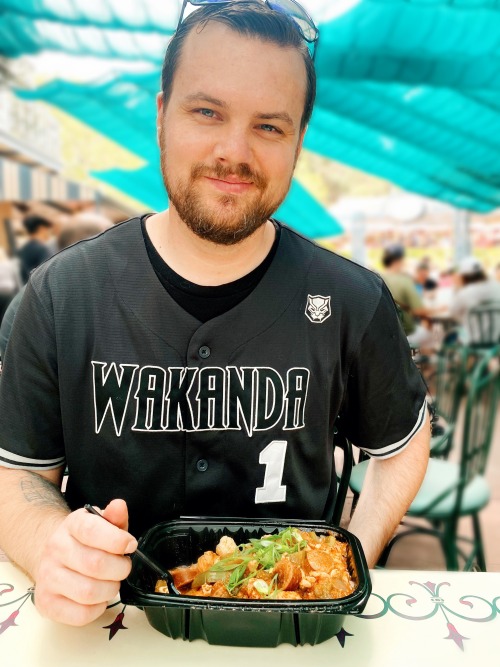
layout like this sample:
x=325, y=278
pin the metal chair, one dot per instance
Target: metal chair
x=483, y=323
x=453, y=490
x=449, y=384
x=336, y=501
x=343, y=479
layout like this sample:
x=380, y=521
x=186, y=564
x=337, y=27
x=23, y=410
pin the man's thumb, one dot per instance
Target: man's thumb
x=117, y=513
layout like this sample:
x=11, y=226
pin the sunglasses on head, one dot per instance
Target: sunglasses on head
x=290, y=8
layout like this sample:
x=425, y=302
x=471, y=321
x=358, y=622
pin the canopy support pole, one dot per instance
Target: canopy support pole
x=462, y=234
x=358, y=233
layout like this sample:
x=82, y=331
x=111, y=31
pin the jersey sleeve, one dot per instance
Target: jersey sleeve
x=385, y=401
x=8, y=321
x=30, y=417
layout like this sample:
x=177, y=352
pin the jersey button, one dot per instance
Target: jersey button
x=204, y=351
x=202, y=465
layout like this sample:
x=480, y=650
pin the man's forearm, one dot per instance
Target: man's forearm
x=31, y=507
x=76, y=559
x=389, y=488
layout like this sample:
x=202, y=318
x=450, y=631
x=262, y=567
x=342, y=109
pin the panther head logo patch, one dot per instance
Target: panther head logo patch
x=318, y=308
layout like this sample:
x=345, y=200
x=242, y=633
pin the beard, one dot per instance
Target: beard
x=230, y=220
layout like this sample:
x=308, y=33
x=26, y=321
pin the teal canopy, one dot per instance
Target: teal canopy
x=302, y=212
x=436, y=42
x=106, y=28
x=144, y=184
x=451, y=43
x=407, y=89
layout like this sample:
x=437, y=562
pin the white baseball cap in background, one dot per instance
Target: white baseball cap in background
x=468, y=266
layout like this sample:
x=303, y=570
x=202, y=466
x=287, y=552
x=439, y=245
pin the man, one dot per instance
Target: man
x=476, y=289
x=405, y=294
x=196, y=360
x=35, y=250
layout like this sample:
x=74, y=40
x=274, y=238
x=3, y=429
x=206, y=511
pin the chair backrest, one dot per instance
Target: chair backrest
x=336, y=501
x=483, y=323
x=480, y=412
x=344, y=478
x=450, y=381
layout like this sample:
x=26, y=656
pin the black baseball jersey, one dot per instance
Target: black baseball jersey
x=233, y=417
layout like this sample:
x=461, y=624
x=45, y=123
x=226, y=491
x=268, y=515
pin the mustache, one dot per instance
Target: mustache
x=221, y=172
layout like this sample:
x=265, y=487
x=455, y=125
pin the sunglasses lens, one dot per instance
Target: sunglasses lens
x=299, y=15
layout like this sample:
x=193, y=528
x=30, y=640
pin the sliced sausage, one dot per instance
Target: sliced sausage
x=320, y=561
x=289, y=575
x=184, y=575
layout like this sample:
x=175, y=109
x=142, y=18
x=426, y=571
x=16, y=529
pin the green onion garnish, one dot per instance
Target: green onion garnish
x=266, y=551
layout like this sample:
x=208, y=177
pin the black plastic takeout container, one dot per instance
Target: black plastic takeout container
x=238, y=622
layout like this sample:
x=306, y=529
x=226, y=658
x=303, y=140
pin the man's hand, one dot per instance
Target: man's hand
x=82, y=565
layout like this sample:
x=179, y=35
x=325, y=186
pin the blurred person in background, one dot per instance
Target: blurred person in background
x=474, y=288
x=52, y=243
x=10, y=280
x=81, y=226
x=423, y=279
x=497, y=272
x=427, y=286
x=406, y=296
x=447, y=278
x=35, y=250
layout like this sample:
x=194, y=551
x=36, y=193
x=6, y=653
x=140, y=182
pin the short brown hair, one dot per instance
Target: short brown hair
x=252, y=19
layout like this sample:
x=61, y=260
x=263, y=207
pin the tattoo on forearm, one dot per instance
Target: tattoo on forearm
x=41, y=492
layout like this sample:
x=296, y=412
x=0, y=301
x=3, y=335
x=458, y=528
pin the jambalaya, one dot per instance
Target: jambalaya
x=293, y=565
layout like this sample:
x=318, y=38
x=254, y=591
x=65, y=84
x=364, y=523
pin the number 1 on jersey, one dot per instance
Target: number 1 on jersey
x=273, y=457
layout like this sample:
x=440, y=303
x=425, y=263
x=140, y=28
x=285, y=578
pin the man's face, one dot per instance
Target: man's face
x=230, y=134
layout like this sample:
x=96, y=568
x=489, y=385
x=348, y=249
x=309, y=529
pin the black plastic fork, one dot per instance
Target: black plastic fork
x=152, y=564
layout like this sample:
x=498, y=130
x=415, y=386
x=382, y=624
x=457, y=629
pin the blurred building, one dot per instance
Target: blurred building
x=31, y=164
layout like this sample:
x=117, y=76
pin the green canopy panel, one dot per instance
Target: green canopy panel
x=445, y=123
x=20, y=36
x=305, y=214
x=145, y=184
x=300, y=210
x=337, y=136
x=431, y=42
x=428, y=42
x=122, y=108
x=143, y=15
x=383, y=166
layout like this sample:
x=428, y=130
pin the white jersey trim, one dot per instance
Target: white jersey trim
x=11, y=460
x=396, y=447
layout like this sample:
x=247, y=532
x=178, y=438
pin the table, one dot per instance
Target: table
x=413, y=618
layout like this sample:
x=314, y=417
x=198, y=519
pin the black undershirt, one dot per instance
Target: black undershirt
x=200, y=301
